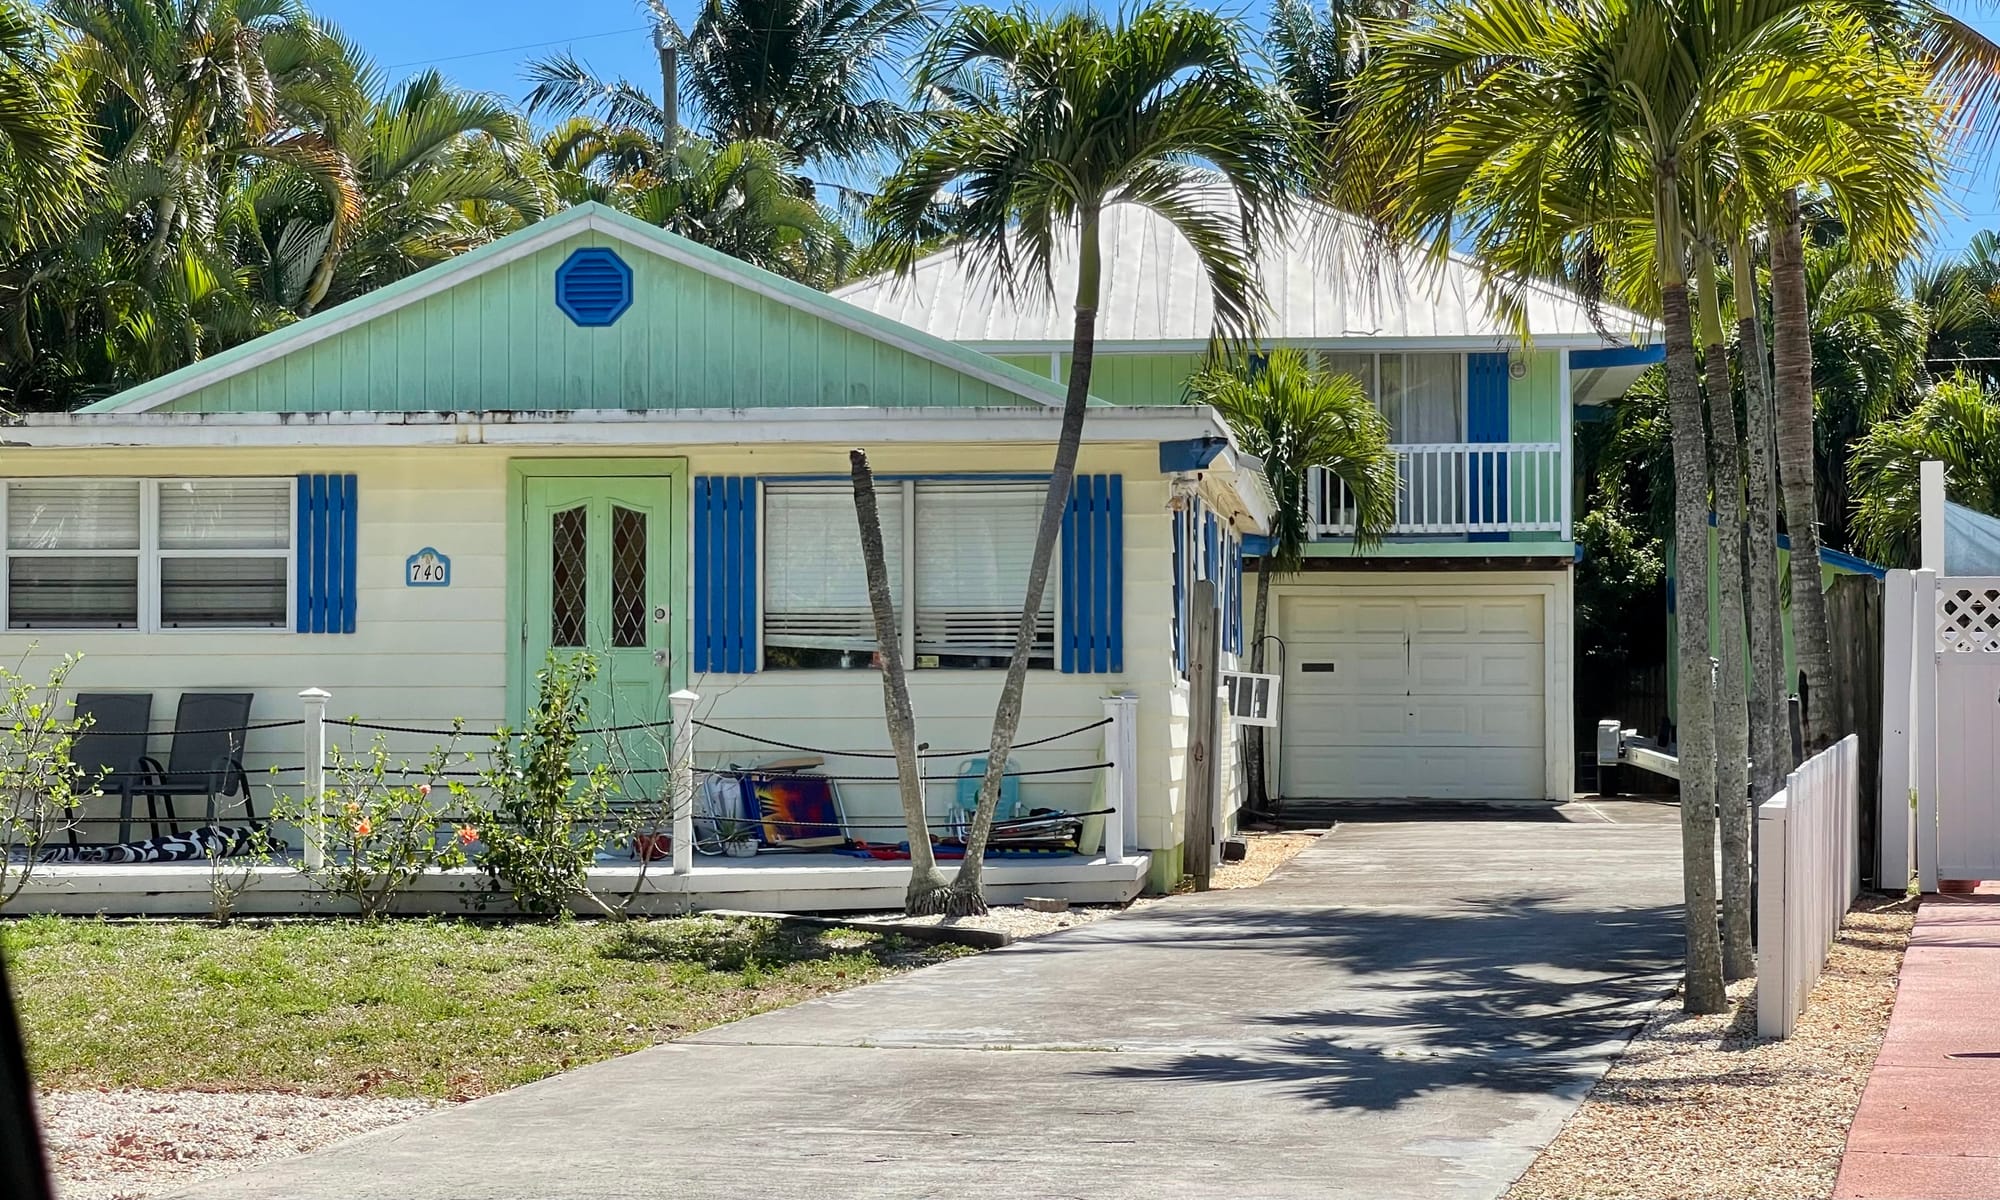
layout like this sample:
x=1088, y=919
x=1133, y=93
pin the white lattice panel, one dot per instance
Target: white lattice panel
x=1968, y=616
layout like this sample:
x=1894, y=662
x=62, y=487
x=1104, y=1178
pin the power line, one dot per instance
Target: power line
x=585, y=37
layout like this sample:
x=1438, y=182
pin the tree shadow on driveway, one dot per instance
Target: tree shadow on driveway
x=1518, y=995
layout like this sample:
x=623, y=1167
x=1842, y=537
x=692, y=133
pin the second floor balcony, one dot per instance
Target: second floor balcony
x=1458, y=488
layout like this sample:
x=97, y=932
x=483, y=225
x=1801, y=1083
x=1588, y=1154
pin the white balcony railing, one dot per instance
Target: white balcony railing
x=1459, y=487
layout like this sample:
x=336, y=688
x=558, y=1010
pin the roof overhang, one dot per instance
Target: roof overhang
x=601, y=427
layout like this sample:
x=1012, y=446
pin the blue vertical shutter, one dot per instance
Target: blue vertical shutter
x=1180, y=592
x=1232, y=635
x=328, y=537
x=1486, y=421
x=725, y=574
x=1093, y=590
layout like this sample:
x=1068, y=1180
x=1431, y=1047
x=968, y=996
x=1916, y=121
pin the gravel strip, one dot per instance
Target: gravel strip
x=1267, y=852
x=1700, y=1108
x=125, y=1145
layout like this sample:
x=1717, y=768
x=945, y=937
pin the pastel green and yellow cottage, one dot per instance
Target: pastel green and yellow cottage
x=1438, y=665
x=594, y=434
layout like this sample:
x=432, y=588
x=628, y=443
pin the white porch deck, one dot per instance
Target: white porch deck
x=769, y=883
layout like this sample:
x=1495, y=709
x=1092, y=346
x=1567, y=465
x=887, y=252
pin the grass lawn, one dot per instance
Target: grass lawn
x=435, y=1008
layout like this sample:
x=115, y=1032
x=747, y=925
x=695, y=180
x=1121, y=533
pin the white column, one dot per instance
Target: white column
x=1899, y=634
x=681, y=779
x=1120, y=779
x=1567, y=424
x=1930, y=513
x=312, y=786
x=1923, y=730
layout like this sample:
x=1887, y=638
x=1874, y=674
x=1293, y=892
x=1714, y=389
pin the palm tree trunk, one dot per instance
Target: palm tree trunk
x=928, y=886
x=1702, y=989
x=1259, y=797
x=967, y=892
x=1791, y=335
x=1769, y=742
x=1732, y=711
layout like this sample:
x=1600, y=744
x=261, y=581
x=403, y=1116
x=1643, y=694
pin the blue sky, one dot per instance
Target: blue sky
x=483, y=43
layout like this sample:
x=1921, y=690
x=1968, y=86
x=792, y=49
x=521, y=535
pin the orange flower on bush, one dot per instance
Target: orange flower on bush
x=363, y=828
x=423, y=789
x=352, y=808
x=467, y=835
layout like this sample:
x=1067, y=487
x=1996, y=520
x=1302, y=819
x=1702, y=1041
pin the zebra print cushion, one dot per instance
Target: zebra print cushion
x=220, y=841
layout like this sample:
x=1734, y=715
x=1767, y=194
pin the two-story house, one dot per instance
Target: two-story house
x=1438, y=665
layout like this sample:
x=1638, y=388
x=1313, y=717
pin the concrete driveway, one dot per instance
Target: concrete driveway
x=1410, y=1009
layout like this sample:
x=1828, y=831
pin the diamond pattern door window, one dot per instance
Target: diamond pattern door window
x=628, y=578
x=569, y=568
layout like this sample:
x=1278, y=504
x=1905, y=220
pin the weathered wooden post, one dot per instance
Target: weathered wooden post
x=681, y=779
x=1899, y=650
x=1200, y=777
x=312, y=785
x=1924, y=729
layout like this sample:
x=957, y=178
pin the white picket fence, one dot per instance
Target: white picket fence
x=1808, y=872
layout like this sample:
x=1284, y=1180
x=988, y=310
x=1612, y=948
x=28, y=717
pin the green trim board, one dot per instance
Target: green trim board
x=674, y=473
x=483, y=332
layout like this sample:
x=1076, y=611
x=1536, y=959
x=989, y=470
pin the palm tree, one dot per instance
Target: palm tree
x=1573, y=143
x=1958, y=424
x=438, y=170
x=44, y=155
x=814, y=76
x=1040, y=124
x=1295, y=417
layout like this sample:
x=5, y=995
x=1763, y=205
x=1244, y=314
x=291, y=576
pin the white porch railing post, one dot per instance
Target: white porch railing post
x=312, y=784
x=681, y=777
x=1898, y=672
x=1120, y=779
x=1924, y=729
x=1567, y=421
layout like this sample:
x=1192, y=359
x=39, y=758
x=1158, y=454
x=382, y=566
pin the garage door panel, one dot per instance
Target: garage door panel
x=1438, y=697
x=1515, y=670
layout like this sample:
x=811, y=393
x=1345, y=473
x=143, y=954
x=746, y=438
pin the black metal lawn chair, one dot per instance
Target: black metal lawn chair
x=111, y=753
x=206, y=757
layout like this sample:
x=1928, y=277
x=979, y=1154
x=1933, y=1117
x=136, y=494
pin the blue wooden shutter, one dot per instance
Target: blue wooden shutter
x=1093, y=580
x=725, y=573
x=328, y=535
x=1486, y=421
x=1232, y=635
x=1180, y=592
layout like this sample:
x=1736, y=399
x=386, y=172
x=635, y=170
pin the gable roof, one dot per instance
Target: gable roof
x=584, y=224
x=1325, y=281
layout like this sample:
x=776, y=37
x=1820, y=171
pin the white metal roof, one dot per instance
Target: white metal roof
x=1325, y=282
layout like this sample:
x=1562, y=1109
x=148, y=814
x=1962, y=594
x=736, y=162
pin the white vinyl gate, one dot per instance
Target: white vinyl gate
x=1941, y=728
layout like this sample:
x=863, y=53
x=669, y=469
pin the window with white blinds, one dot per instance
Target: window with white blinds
x=974, y=544
x=225, y=552
x=957, y=554
x=147, y=554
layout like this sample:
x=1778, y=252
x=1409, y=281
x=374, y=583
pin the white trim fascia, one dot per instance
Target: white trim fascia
x=837, y=312
x=599, y=427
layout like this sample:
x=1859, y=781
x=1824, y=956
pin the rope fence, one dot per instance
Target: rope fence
x=323, y=765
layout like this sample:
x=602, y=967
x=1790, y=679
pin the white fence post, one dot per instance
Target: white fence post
x=1121, y=778
x=1808, y=872
x=312, y=786
x=1899, y=649
x=681, y=779
x=1923, y=731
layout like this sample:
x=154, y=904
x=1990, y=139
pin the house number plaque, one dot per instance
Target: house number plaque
x=427, y=568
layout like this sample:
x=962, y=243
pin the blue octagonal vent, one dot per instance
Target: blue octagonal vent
x=594, y=286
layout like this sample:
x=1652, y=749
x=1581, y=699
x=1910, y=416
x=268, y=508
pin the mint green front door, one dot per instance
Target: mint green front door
x=597, y=577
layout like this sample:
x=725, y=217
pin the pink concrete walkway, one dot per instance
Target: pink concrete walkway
x=1929, y=1123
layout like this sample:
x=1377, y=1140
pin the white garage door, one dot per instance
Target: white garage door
x=1394, y=696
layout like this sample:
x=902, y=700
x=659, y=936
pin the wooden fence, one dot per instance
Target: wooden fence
x=1808, y=872
x=1854, y=629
